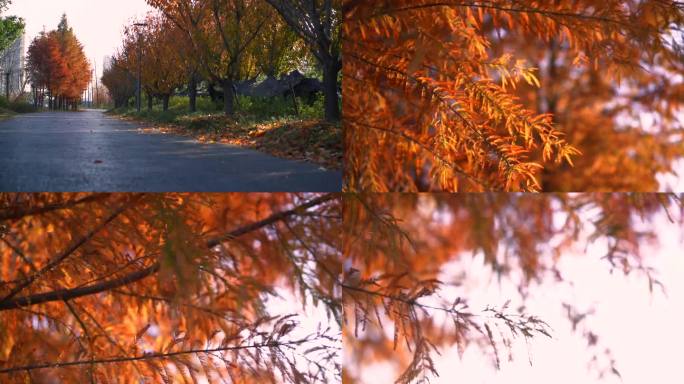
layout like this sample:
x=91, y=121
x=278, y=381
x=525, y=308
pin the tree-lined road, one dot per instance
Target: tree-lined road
x=89, y=151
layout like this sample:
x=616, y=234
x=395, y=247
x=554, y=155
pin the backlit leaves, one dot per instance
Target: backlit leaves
x=412, y=299
x=169, y=288
x=466, y=95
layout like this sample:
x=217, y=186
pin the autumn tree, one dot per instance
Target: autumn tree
x=226, y=38
x=42, y=66
x=223, y=33
x=397, y=247
x=276, y=51
x=168, y=287
x=119, y=82
x=318, y=24
x=509, y=95
x=188, y=16
x=161, y=62
x=57, y=65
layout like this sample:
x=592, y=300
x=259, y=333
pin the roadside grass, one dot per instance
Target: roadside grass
x=268, y=125
x=6, y=113
x=11, y=108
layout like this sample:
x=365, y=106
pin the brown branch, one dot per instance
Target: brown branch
x=271, y=219
x=449, y=4
x=13, y=214
x=151, y=356
x=68, y=294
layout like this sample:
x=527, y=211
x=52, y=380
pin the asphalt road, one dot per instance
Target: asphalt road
x=90, y=151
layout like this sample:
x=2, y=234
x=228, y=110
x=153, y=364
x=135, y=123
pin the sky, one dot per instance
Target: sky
x=643, y=330
x=98, y=24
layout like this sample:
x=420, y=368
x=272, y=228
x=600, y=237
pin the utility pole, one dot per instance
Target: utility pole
x=97, y=92
x=139, y=93
x=91, y=89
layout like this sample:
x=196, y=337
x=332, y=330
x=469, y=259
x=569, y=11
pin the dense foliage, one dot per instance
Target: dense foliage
x=11, y=27
x=512, y=95
x=168, y=288
x=223, y=43
x=58, y=68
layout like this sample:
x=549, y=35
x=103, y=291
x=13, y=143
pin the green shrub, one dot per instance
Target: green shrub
x=4, y=103
x=182, y=104
x=22, y=107
x=249, y=110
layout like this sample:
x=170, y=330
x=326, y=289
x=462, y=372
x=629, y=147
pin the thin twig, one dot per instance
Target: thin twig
x=149, y=356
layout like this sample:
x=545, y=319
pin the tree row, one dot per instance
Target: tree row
x=223, y=43
x=57, y=68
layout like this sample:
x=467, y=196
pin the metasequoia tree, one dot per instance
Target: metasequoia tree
x=56, y=64
x=509, y=95
x=318, y=24
x=42, y=66
x=397, y=247
x=167, y=287
x=162, y=63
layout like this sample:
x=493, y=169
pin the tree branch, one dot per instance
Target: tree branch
x=13, y=214
x=151, y=356
x=544, y=12
x=271, y=219
x=68, y=294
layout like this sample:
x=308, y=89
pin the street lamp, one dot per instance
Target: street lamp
x=139, y=92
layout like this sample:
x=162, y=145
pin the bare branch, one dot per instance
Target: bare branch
x=149, y=356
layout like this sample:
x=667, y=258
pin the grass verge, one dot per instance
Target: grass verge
x=281, y=134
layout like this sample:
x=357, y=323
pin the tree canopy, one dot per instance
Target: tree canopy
x=318, y=24
x=57, y=66
x=168, y=288
x=226, y=42
x=173, y=287
x=398, y=245
x=512, y=95
x=11, y=27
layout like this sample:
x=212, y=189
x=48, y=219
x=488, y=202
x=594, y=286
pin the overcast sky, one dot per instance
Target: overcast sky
x=644, y=331
x=98, y=24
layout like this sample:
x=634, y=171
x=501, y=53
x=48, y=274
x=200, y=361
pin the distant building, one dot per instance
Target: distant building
x=12, y=68
x=107, y=63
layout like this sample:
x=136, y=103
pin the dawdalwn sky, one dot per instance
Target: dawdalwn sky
x=98, y=24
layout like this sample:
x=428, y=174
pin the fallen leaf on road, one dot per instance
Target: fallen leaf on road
x=97, y=161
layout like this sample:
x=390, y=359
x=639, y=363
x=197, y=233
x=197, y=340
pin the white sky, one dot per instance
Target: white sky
x=644, y=331
x=98, y=24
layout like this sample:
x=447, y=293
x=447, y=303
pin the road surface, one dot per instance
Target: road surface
x=90, y=151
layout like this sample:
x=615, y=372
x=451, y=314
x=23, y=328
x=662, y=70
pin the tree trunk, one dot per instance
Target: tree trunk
x=192, y=92
x=331, y=102
x=149, y=102
x=212, y=92
x=165, y=100
x=228, y=107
